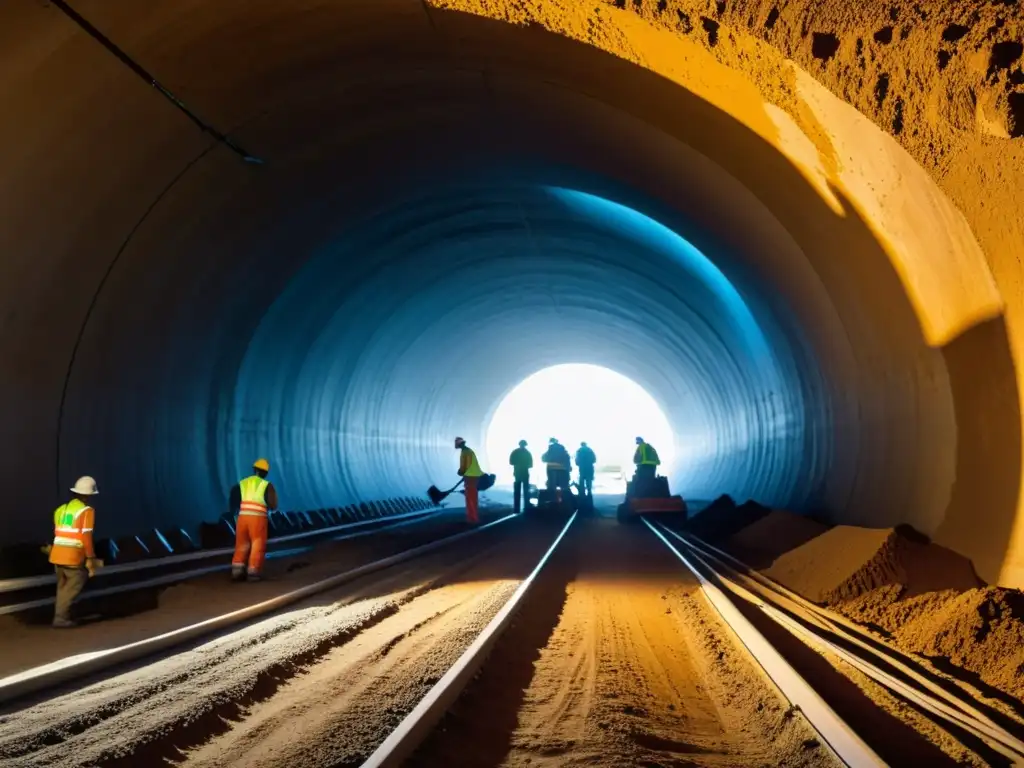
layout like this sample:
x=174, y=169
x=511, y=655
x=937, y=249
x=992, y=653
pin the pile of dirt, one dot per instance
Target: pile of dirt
x=980, y=630
x=925, y=598
x=846, y=562
x=763, y=541
x=722, y=518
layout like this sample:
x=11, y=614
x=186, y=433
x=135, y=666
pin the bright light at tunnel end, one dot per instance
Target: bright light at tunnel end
x=577, y=403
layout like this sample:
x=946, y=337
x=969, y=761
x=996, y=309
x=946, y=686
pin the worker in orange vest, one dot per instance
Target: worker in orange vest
x=469, y=470
x=253, y=497
x=72, y=553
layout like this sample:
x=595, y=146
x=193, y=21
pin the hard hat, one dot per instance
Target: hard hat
x=85, y=486
x=639, y=440
x=459, y=442
x=261, y=464
x=522, y=443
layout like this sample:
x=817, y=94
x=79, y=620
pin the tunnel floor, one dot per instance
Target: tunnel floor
x=615, y=657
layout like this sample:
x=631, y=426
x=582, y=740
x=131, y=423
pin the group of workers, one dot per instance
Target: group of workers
x=558, y=464
x=73, y=553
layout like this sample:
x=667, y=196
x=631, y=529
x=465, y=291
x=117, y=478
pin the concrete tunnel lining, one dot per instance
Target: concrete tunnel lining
x=209, y=246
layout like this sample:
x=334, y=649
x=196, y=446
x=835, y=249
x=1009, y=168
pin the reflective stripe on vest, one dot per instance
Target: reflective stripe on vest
x=68, y=522
x=254, y=490
x=646, y=456
x=472, y=466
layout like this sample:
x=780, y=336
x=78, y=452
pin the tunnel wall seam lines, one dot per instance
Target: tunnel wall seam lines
x=94, y=301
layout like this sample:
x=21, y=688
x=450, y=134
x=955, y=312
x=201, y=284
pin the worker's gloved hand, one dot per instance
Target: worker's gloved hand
x=46, y=549
x=461, y=473
x=91, y=564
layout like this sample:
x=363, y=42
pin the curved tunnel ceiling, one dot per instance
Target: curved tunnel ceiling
x=427, y=229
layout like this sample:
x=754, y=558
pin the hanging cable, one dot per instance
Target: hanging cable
x=135, y=67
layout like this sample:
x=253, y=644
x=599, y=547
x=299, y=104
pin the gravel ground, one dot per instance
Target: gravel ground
x=24, y=645
x=319, y=684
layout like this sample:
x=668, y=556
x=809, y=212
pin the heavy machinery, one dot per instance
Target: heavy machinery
x=556, y=500
x=650, y=496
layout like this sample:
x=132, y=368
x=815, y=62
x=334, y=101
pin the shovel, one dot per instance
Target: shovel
x=437, y=496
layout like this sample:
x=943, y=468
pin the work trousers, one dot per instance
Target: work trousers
x=472, y=500
x=70, y=583
x=557, y=478
x=521, y=492
x=250, y=544
x=587, y=483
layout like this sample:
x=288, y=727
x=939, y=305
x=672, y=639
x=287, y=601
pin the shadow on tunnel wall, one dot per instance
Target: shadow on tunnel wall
x=571, y=106
x=980, y=518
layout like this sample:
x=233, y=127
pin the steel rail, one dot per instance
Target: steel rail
x=57, y=673
x=29, y=582
x=936, y=700
x=847, y=746
x=177, y=576
x=897, y=686
x=417, y=725
x=848, y=632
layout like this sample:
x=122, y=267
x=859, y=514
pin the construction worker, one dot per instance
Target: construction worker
x=522, y=462
x=470, y=472
x=558, y=465
x=72, y=553
x=585, y=460
x=253, y=497
x=646, y=460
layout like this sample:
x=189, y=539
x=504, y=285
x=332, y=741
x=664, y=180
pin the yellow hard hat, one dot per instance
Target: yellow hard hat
x=261, y=464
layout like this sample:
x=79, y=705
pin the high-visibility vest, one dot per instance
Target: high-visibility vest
x=468, y=464
x=648, y=455
x=72, y=524
x=254, y=496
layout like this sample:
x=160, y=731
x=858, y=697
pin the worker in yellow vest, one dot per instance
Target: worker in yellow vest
x=646, y=459
x=253, y=497
x=72, y=553
x=469, y=470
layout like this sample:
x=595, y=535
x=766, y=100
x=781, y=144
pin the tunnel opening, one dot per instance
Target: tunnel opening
x=577, y=403
x=511, y=276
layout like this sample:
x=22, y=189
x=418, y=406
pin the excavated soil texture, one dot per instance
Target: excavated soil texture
x=978, y=630
x=722, y=518
x=321, y=683
x=617, y=660
x=926, y=598
x=778, y=532
x=846, y=561
x=25, y=645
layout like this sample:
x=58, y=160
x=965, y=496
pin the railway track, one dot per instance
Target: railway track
x=992, y=733
x=19, y=595
x=545, y=642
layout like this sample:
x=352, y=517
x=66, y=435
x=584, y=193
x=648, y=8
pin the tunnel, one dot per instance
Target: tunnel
x=338, y=233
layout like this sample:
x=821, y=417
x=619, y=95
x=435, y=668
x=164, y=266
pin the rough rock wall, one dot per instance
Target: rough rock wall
x=929, y=73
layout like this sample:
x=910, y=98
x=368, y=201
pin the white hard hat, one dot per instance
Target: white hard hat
x=85, y=486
